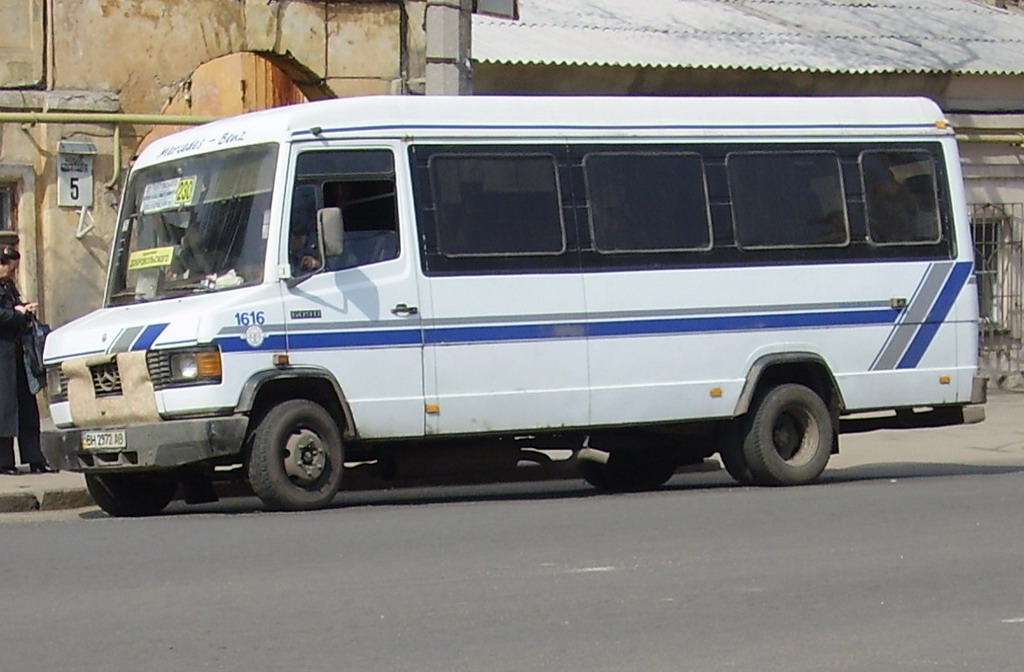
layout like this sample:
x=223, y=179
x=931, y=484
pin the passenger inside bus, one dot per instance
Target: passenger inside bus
x=368, y=210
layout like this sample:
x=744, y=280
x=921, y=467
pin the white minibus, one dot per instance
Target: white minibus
x=643, y=281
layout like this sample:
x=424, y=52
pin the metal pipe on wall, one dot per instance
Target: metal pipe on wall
x=1005, y=137
x=117, y=119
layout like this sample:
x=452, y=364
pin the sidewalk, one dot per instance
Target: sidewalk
x=998, y=441
x=42, y=492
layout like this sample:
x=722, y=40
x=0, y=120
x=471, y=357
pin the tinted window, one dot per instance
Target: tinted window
x=787, y=199
x=497, y=205
x=351, y=162
x=900, y=197
x=641, y=203
x=359, y=182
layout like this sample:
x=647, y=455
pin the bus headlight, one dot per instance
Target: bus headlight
x=184, y=366
x=188, y=366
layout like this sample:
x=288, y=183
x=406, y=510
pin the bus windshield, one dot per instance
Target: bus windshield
x=196, y=224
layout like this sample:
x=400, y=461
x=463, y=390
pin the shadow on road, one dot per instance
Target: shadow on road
x=574, y=488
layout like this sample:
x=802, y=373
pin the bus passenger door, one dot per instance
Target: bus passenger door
x=355, y=314
x=504, y=339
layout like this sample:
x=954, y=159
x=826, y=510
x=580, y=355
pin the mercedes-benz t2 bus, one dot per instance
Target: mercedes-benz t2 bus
x=647, y=282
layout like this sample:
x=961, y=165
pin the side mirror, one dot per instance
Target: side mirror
x=330, y=228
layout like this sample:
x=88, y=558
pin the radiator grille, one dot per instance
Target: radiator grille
x=106, y=380
x=58, y=383
x=159, y=364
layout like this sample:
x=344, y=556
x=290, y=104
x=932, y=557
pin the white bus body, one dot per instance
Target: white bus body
x=646, y=281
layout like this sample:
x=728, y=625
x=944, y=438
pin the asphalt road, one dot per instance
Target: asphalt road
x=918, y=569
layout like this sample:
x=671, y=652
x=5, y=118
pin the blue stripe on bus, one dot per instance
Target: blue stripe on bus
x=354, y=339
x=936, y=316
x=518, y=332
x=239, y=344
x=148, y=336
x=742, y=323
x=568, y=330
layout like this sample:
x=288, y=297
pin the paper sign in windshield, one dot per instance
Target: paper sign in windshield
x=152, y=258
x=168, y=194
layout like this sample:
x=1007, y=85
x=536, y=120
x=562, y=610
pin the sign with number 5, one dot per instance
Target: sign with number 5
x=74, y=180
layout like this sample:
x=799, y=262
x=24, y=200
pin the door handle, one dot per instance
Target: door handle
x=403, y=310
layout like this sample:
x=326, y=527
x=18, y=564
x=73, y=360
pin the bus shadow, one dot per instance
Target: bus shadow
x=565, y=487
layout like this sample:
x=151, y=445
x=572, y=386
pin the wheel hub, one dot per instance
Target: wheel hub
x=305, y=457
x=793, y=433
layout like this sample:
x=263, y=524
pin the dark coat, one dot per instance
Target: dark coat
x=12, y=325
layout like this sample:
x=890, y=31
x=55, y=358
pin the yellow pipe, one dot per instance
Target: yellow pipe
x=115, y=118
x=1010, y=138
x=110, y=184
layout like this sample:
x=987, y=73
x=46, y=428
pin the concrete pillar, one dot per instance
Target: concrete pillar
x=449, y=27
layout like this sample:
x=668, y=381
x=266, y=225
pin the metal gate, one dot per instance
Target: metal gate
x=999, y=267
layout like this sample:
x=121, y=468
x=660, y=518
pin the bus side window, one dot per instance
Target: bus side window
x=787, y=199
x=497, y=205
x=653, y=202
x=900, y=197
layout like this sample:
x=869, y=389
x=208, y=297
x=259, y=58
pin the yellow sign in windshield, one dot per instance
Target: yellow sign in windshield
x=151, y=258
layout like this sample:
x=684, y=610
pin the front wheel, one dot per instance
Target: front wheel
x=131, y=495
x=788, y=436
x=296, y=458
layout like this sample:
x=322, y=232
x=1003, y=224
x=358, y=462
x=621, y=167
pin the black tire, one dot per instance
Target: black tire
x=131, y=495
x=731, y=452
x=789, y=436
x=629, y=471
x=296, y=460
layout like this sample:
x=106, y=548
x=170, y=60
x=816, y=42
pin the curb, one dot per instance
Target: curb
x=45, y=500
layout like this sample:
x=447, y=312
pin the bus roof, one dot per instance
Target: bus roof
x=547, y=116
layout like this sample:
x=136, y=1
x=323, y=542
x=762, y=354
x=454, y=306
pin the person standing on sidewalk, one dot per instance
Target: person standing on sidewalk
x=19, y=415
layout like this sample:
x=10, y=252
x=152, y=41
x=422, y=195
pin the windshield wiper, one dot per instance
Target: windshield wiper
x=203, y=285
x=125, y=293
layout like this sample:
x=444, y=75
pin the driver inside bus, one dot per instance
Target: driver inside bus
x=303, y=255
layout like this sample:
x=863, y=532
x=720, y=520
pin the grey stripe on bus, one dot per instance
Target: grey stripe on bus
x=913, y=317
x=124, y=339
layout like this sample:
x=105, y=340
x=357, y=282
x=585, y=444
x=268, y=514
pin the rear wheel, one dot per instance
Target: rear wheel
x=787, y=437
x=131, y=495
x=296, y=458
x=629, y=470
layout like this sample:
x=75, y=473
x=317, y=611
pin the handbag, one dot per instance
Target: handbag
x=33, y=341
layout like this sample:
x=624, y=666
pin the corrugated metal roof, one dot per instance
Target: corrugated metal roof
x=848, y=36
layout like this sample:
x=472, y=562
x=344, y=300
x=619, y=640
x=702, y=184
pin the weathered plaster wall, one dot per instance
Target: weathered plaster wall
x=364, y=47
x=21, y=43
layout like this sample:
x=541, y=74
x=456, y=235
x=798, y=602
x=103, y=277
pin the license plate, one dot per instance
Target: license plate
x=108, y=440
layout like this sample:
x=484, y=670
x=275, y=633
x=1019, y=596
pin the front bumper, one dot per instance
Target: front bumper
x=153, y=445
